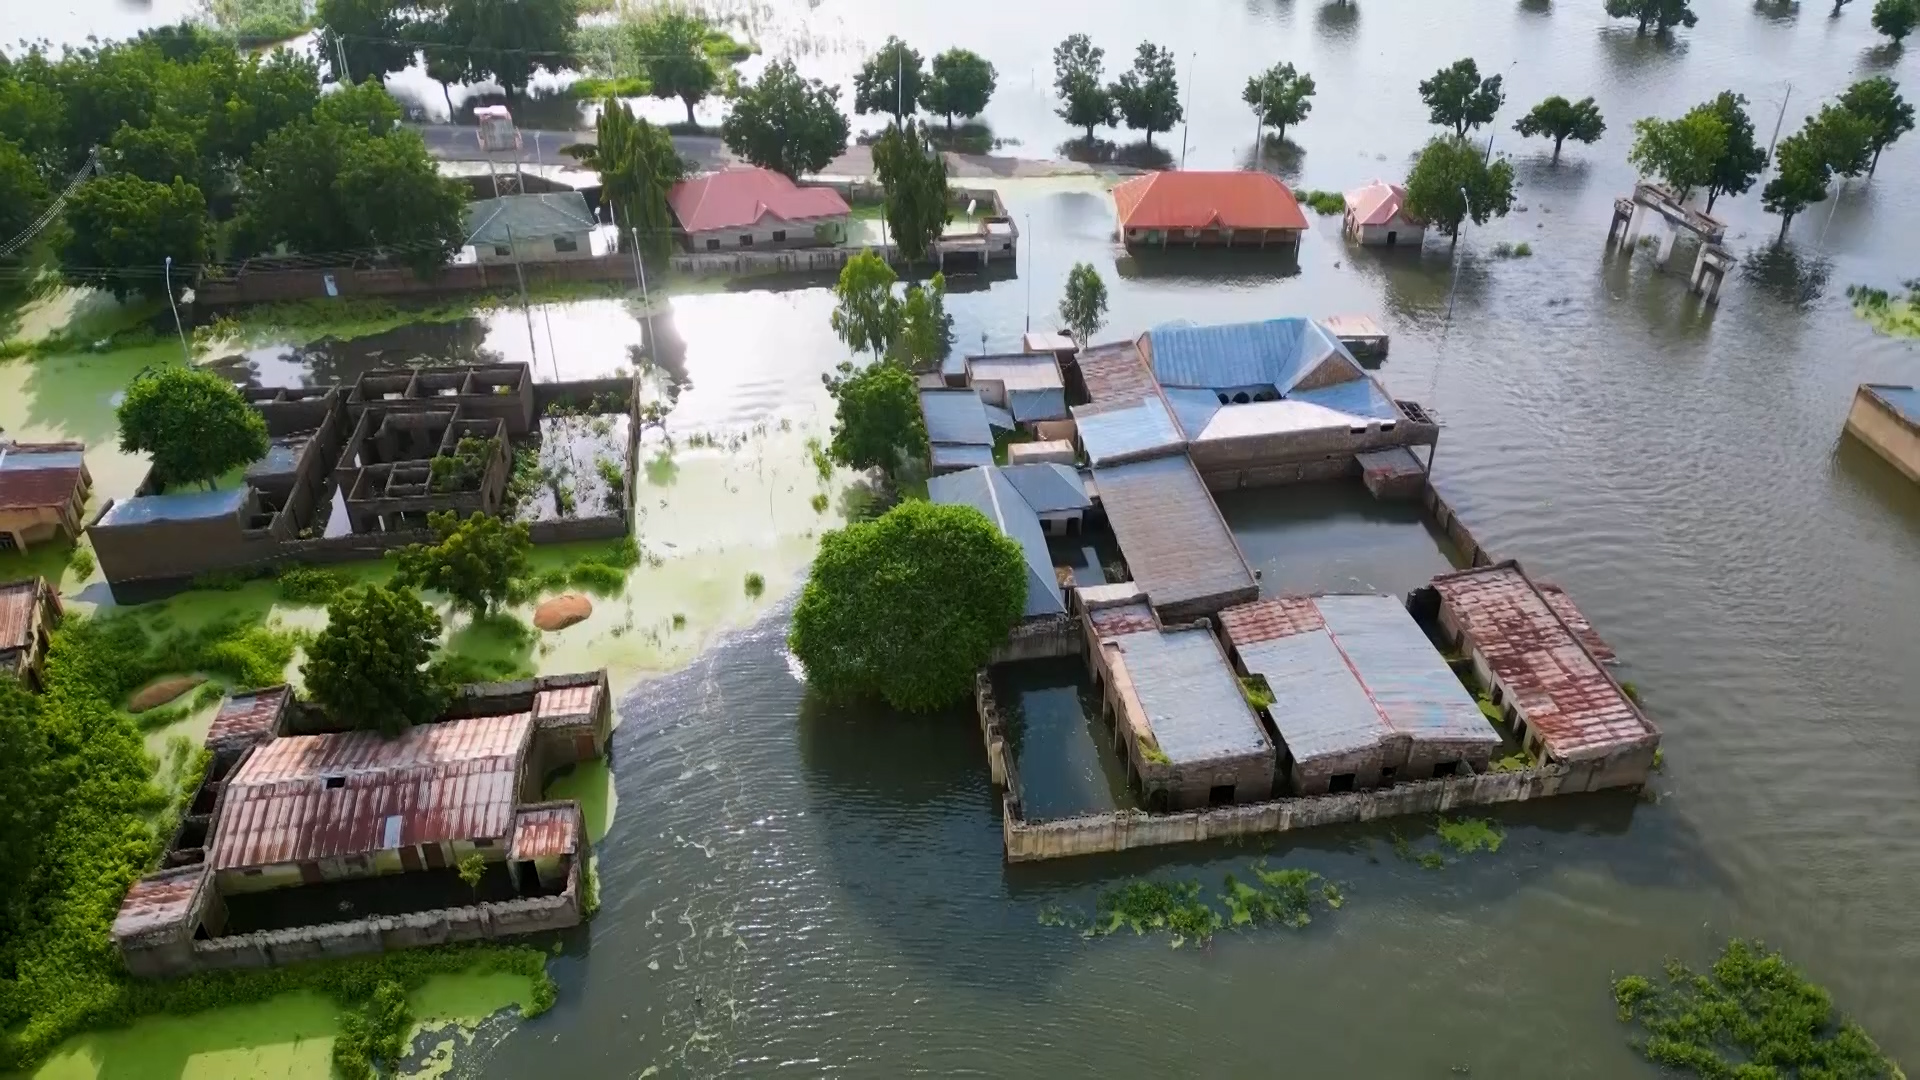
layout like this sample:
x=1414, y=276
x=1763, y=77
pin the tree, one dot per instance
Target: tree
x=785, y=123
x=1280, y=96
x=907, y=607
x=473, y=869
x=890, y=81
x=397, y=202
x=363, y=105
x=1084, y=307
x=1843, y=138
x=1148, y=95
x=1457, y=97
x=372, y=34
x=914, y=177
x=961, y=85
x=672, y=44
x=120, y=229
x=447, y=62
x=157, y=154
x=1079, y=79
x=926, y=330
x=638, y=167
x=23, y=806
x=23, y=195
x=196, y=426
x=867, y=316
x=509, y=40
x=1680, y=152
x=1878, y=102
x=1453, y=182
x=474, y=562
x=1895, y=19
x=1742, y=161
x=877, y=418
x=1558, y=119
x=372, y=664
x=1801, y=181
x=1661, y=13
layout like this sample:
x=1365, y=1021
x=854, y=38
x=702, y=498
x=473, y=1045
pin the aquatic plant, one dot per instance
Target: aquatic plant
x=679, y=621
x=1326, y=203
x=310, y=585
x=1754, y=1016
x=755, y=585
x=1468, y=835
x=1631, y=689
x=1504, y=250
x=820, y=503
x=599, y=578
x=1141, y=906
x=1151, y=753
x=1283, y=896
x=822, y=464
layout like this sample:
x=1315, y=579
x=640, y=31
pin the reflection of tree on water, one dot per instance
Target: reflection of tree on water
x=1209, y=266
x=1777, y=10
x=1281, y=157
x=1786, y=274
x=1337, y=18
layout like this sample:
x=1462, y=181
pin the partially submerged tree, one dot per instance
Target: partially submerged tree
x=1084, y=306
x=913, y=176
x=192, y=422
x=961, y=85
x=1458, y=98
x=1743, y=159
x=671, y=44
x=1080, y=80
x=473, y=870
x=1453, y=182
x=1844, y=139
x=867, y=315
x=372, y=666
x=372, y=33
x=1801, y=181
x=889, y=82
x=907, y=607
x=1681, y=153
x=1896, y=18
x=509, y=42
x=1558, y=119
x=1878, y=102
x=786, y=123
x=1148, y=94
x=474, y=562
x=1280, y=96
x=877, y=418
x=926, y=330
x=121, y=228
x=1660, y=14
x=638, y=167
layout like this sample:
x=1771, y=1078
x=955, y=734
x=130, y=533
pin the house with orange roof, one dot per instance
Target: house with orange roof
x=1377, y=216
x=1208, y=209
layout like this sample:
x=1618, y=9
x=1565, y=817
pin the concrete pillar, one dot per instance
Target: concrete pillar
x=1666, y=246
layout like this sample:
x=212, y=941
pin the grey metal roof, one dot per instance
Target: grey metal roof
x=950, y=458
x=1277, y=353
x=1356, y=397
x=1047, y=487
x=1113, y=435
x=956, y=417
x=1904, y=400
x=1018, y=371
x=1043, y=404
x=525, y=217
x=1402, y=672
x=1000, y=418
x=175, y=506
x=1318, y=707
x=28, y=459
x=1190, y=696
x=282, y=456
x=990, y=492
x=1194, y=408
x=1171, y=532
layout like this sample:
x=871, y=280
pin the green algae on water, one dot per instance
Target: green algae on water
x=1468, y=835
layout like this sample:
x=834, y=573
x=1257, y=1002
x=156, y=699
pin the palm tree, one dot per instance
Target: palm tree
x=638, y=166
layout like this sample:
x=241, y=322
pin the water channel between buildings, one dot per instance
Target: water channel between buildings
x=792, y=887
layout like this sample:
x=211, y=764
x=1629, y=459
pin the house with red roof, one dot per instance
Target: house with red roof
x=748, y=208
x=1208, y=209
x=43, y=492
x=1377, y=216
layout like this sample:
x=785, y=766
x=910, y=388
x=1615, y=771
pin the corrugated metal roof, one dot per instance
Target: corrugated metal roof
x=1017, y=371
x=988, y=491
x=1122, y=619
x=1203, y=200
x=33, y=457
x=175, y=506
x=248, y=715
x=545, y=832
x=1401, y=670
x=952, y=458
x=1557, y=686
x=999, y=418
x=1112, y=433
x=1032, y=406
x=527, y=217
x=1377, y=203
x=1562, y=605
x=35, y=481
x=1275, y=418
x=1265, y=620
x=1042, y=341
x=1171, y=533
x=1116, y=372
x=1279, y=353
x=319, y=796
x=160, y=903
x=19, y=607
x=567, y=705
x=955, y=417
x=1904, y=400
x=1319, y=707
x=1047, y=487
x=1356, y=397
x=1193, y=408
x=1190, y=696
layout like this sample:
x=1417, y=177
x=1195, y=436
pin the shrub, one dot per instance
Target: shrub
x=755, y=585
x=820, y=503
x=1326, y=203
x=80, y=561
x=599, y=578
x=310, y=585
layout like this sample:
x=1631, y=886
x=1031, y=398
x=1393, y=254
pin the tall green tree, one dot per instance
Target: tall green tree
x=1844, y=139
x=961, y=85
x=23, y=194
x=866, y=315
x=1280, y=96
x=907, y=607
x=1895, y=19
x=447, y=59
x=638, y=167
x=926, y=330
x=1681, y=153
x=509, y=41
x=158, y=154
x=890, y=82
x=1458, y=98
x=1660, y=14
x=1148, y=94
x=1080, y=80
x=785, y=123
x=1558, y=119
x=672, y=44
x=1800, y=182
x=192, y=422
x=474, y=562
x=372, y=666
x=121, y=230
x=877, y=418
x=1743, y=159
x=1453, y=182
x=363, y=105
x=914, y=177
x=1084, y=306
x=1878, y=102
x=372, y=33
x=33, y=117
x=24, y=809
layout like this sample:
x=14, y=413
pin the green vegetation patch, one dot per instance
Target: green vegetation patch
x=1284, y=897
x=1173, y=906
x=310, y=585
x=1325, y=203
x=1893, y=314
x=1504, y=250
x=1753, y=1016
x=259, y=22
x=1468, y=835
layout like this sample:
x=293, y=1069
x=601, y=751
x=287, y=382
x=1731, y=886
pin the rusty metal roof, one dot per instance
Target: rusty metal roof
x=1266, y=620
x=1124, y=619
x=321, y=796
x=545, y=832
x=159, y=902
x=567, y=705
x=38, y=475
x=1171, y=533
x=1556, y=684
x=248, y=715
x=19, y=600
x=1116, y=372
x=1562, y=605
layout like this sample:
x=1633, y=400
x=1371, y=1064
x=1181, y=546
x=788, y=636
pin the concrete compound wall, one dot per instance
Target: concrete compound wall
x=268, y=286
x=1890, y=435
x=1040, y=638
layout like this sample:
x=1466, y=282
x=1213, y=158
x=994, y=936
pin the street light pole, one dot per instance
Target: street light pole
x=1186, y=114
x=177, y=328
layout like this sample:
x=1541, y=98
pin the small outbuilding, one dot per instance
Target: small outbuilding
x=43, y=493
x=1377, y=217
x=1887, y=418
x=958, y=433
x=749, y=208
x=29, y=611
x=1208, y=209
x=551, y=227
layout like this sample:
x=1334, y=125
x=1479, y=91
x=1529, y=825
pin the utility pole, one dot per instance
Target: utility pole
x=177, y=328
x=1029, y=272
x=646, y=302
x=1186, y=114
x=1259, y=125
x=1777, y=121
x=525, y=307
x=340, y=50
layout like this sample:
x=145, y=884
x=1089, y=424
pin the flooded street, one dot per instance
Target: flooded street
x=795, y=888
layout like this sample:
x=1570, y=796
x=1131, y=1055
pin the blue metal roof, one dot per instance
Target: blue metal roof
x=1278, y=353
x=1048, y=488
x=950, y=458
x=1356, y=397
x=1190, y=696
x=1904, y=400
x=1402, y=672
x=1139, y=431
x=955, y=416
x=1193, y=407
x=991, y=493
x=998, y=417
x=1043, y=404
x=176, y=506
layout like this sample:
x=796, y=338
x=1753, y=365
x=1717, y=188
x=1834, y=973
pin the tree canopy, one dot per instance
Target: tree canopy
x=1743, y=159
x=1148, y=94
x=1558, y=119
x=1083, y=308
x=891, y=81
x=638, y=167
x=1681, y=153
x=1660, y=14
x=785, y=123
x=1895, y=18
x=23, y=807
x=1453, y=182
x=1079, y=78
x=474, y=562
x=509, y=42
x=1280, y=96
x=671, y=42
x=867, y=314
x=372, y=666
x=1800, y=182
x=1878, y=102
x=23, y=194
x=1843, y=138
x=196, y=426
x=1458, y=98
x=961, y=85
x=926, y=330
x=121, y=229
x=907, y=607
x=876, y=418
x=373, y=34
x=913, y=176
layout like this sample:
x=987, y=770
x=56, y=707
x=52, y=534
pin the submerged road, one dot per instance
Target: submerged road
x=460, y=142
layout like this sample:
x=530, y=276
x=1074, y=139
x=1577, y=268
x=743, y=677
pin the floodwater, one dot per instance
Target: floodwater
x=791, y=887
